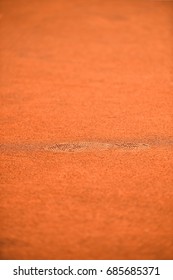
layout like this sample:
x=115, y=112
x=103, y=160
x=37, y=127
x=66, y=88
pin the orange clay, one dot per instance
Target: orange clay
x=76, y=78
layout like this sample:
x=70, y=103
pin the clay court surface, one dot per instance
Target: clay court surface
x=86, y=129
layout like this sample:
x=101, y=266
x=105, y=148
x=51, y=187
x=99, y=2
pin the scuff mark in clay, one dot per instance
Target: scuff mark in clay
x=88, y=146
